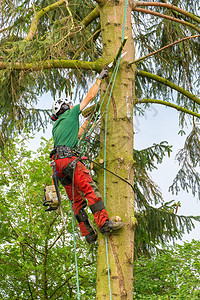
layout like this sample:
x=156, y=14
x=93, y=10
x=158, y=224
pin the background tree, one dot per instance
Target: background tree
x=40, y=40
x=171, y=274
x=37, y=258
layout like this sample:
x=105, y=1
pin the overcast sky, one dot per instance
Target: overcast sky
x=159, y=124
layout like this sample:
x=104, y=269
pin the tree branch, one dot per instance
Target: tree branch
x=167, y=17
x=155, y=52
x=170, y=84
x=59, y=287
x=93, y=38
x=101, y=2
x=85, y=22
x=171, y=7
x=38, y=16
x=58, y=237
x=54, y=63
x=91, y=17
x=179, y=108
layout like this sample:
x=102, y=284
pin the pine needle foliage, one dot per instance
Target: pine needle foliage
x=157, y=221
x=188, y=177
x=59, y=36
x=152, y=34
x=62, y=34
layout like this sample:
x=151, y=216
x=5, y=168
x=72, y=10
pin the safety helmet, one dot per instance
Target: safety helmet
x=58, y=104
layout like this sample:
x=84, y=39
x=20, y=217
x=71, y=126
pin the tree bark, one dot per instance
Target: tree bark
x=119, y=158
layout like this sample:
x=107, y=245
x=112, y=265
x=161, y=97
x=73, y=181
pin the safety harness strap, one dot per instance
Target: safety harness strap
x=60, y=152
x=97, y=206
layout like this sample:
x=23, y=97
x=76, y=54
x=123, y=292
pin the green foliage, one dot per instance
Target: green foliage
x=173, y=63
x=151, y=156
x=146, y=160
x=37, y=256
x=188, y=177
x=171, y=274
x=158, y=224
x=59, y=36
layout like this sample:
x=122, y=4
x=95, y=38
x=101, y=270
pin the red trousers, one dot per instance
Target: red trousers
x=83, y=186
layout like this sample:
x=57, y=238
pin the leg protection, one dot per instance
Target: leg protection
x=97, y=206
x=68, y=172
x=83, y=217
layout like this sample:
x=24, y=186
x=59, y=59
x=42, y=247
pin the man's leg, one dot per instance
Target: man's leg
x=78, y=205
x=85, y=183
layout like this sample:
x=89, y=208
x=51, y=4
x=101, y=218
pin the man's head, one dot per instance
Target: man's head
x=59, y=107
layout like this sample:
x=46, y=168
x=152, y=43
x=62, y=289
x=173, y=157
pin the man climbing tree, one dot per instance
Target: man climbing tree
x=70, y=170
x=40, y=40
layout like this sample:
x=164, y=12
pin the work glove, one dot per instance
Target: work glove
x=103, y=74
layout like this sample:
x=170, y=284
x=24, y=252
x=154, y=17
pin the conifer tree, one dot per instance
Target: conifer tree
x=59, y=46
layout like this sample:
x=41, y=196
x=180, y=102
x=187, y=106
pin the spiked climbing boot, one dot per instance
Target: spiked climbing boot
x=110, y=226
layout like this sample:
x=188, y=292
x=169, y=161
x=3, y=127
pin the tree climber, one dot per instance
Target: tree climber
x=71, y=172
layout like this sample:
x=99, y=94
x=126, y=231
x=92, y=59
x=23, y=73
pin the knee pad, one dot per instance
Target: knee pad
x=97, y=206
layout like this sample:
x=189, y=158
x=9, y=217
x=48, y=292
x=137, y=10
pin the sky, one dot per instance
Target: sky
x=158, y=124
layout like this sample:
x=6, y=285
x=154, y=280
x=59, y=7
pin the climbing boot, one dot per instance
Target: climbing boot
x=110, y=226
x=91, y=237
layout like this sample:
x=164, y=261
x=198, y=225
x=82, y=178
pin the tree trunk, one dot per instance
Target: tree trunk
x=119, y=158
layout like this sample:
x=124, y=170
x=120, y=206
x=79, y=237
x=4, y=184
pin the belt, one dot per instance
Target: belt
x=62, y=152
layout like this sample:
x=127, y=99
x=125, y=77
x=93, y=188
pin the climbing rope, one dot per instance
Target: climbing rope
x=74, y=240
x=75, y=253
x=87, y=133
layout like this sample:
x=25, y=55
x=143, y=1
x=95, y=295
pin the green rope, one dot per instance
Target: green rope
x=87, y=133
x=105, y=142
x=75, y=254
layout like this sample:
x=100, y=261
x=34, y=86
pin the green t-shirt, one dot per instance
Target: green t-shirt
x=65, y=129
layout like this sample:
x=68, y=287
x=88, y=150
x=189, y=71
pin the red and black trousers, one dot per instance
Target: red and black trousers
x=79, y=188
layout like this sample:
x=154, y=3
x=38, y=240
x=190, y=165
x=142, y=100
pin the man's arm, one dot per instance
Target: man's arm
x=94, y=90
x=82, y=128
x=91, y=94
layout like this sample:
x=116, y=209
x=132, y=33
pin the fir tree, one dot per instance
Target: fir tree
x=59, y=46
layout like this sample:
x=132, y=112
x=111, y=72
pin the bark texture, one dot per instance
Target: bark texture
x=119, y=195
